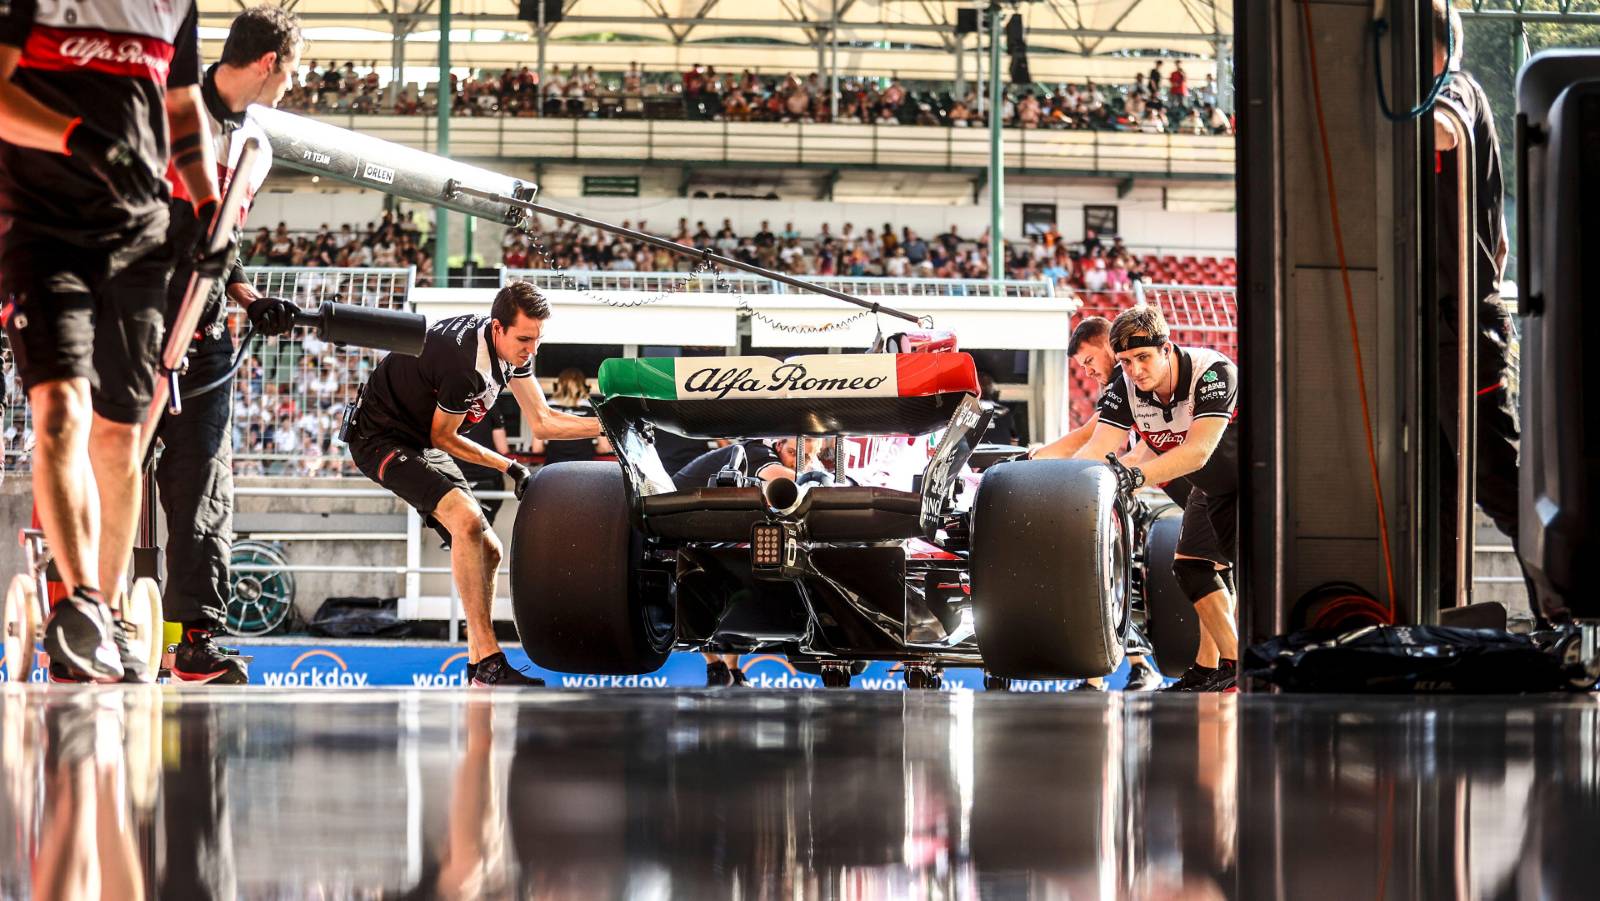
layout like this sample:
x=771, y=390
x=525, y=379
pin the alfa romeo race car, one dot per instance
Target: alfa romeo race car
x=1037, y=573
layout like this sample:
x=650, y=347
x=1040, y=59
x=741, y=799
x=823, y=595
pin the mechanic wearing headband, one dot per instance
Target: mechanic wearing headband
x=1181, y=404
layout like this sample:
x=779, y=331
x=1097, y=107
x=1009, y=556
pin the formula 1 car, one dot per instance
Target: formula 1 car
x=1036, y=576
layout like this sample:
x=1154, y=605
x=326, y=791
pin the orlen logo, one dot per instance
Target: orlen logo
x=772, y=671
x=1162, y=441
x=334, y=675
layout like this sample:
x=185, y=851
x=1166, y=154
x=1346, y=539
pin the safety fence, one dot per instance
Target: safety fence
x=740, y=283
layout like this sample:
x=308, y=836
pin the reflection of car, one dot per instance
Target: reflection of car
x=612, y=568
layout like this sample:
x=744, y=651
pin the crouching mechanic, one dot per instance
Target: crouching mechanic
x=195, y=472
x=755, y=459
x=407, y=425
x=1181, y=404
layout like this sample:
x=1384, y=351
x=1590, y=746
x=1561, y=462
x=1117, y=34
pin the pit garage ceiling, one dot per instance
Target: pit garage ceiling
x=912, y=38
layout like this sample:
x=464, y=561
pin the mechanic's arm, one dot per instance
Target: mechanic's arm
x=1068, y=444
x=192, y=155
x=442, y=432
x=502, y=446
x=546, y=423
x=1107, y=439
x=1204, y=436
x=1139, y=455
x=1444, y=132
x=25, y=121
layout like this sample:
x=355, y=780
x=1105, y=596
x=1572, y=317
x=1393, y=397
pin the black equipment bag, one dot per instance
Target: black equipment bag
x=1413, y=659
x=359, y=618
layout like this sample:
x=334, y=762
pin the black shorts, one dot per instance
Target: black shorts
x=420, y=477
x=1210, y=527
x=90, y=313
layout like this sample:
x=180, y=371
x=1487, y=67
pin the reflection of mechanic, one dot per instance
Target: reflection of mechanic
x=752, y=459
x=1181, y=404
x=195, y=472
x=408, y=427
x=490, y=432
x=1497, y=436
x=91, y=92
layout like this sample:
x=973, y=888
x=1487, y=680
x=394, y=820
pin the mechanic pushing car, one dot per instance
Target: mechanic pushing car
x=752, y=459
x=405, y=426
x=1181, y=403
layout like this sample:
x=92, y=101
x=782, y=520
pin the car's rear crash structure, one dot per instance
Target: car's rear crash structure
x=612, y=568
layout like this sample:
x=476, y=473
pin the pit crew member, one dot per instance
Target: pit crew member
x=407, y=425
x=1181, y=402
x=91, y=92
x=195, y=471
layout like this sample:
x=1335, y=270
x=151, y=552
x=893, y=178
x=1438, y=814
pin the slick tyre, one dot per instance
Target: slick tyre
x=1051, y=570
x=1170, y=621
x=575, y=588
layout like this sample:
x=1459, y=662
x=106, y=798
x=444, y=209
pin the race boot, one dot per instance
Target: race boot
x=199, y=660
x=1143, y=677
x=1090, y=685
x=739, y=680
x=1195, y=678
x=1226, y=679
x=718, y=675
x=495, y=671
x=78, y=639
x=135, y=669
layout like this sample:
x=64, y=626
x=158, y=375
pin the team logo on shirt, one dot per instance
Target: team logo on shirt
x=1163, y=441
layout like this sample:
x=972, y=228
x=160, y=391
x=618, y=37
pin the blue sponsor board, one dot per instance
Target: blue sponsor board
x=352, y=665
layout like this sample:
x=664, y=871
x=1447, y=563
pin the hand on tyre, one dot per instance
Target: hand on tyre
x=1129, y=478
x=519, y=478
x=271, y=316
x=128, y=175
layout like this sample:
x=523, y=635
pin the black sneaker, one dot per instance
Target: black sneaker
x=718, y=675
x=1143, y=677
x=739, y=680
x=1195, y=678
x=200, y=660
x=1226, y=678
x=495, y=671
x=135, y=669
x=78, y=639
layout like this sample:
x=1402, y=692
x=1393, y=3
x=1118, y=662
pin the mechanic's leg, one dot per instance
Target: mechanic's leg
x=114, y=453
x=1207, y=654
x=63, y=487
x=1206, y=587
x=474, y=556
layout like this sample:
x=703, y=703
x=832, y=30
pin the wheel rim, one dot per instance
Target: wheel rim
x=258, y=601
x=1116, y=567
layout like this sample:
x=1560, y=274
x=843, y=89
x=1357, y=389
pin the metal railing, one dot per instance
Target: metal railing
x=593, y=141
x=730, y=283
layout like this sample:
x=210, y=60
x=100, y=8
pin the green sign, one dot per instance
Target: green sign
x=611, y=186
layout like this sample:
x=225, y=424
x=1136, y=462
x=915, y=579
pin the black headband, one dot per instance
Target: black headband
x=1133, y=341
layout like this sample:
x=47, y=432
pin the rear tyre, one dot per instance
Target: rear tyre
x=1170, y=621
x=1051, y=570
x=574, y=576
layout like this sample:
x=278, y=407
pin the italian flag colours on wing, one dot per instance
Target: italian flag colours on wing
x=818, y=376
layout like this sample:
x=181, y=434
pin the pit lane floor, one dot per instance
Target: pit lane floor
x=259, y=793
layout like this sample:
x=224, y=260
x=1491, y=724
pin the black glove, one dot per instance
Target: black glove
x=271, y=316
x=213, y=265
x=520, y=476
x=116, y=161
x=1129, y=478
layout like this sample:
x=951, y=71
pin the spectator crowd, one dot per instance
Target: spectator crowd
x=1160, y=101
x=394, y=242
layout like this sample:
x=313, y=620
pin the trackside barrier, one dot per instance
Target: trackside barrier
x=729, y=283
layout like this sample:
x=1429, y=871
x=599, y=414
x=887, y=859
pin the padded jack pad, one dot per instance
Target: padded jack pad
x=764, y=397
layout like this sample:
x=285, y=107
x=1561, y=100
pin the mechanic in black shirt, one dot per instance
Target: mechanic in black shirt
x=1498, y=440
x=752, y=459
x=89, y=93
x=195, y=470
x=407, y=427
x=1181, y=402
x=490, y=432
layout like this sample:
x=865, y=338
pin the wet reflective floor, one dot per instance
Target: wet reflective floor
x=222, y=793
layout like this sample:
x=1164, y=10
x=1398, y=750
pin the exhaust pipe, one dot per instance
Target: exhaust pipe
x=786, y=499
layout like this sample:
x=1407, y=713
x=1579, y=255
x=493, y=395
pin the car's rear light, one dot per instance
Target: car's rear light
x=766, y=545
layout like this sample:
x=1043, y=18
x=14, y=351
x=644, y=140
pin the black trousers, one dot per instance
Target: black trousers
x=1495, y=484
x=195, y=480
